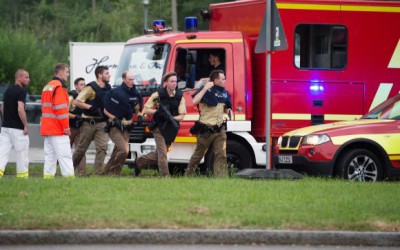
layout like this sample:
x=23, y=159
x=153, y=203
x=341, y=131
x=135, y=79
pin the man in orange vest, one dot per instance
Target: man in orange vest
x=55, y=125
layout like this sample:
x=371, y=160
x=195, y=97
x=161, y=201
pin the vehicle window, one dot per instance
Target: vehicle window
x=147, y=61
x=319, y=46
x=395, y=112
x=207, y=60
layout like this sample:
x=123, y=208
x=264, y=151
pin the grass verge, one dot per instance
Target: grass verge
x=127, y=202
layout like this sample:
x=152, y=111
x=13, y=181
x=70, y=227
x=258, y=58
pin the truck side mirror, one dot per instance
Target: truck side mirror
x=190, y=75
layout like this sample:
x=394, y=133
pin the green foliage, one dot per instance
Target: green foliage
x=23, y=50
x=36, y=33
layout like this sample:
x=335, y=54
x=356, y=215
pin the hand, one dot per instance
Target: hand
x=67, y=131
x=118, y=124
x=208, y=85
x=26, y=130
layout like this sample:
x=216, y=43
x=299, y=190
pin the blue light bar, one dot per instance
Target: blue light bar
x=160, y=24
x=191, y=23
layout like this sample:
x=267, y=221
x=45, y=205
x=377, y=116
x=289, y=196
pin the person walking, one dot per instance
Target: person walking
x=91, y=101
x=76, y=120
x=119, y=106
x=168, y=98
x=14, y=131
x=214, y=101
x=55, y=125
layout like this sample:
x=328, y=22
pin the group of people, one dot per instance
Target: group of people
x=95, y=112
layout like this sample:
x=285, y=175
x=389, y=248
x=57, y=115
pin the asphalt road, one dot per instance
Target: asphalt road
x=188, y=237
x=186, y=247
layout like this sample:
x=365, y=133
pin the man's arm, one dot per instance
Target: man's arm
x=85, y=94
x=108, y=114
x=198, y=96
x=22, y=116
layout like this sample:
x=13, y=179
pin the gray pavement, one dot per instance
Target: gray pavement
x=194, y=236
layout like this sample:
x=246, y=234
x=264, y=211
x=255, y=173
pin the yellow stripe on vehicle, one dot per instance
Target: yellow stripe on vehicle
x=395, y=61
x=186, y=139
x=210, y=41
x=337, y=7
x=329, y=117
x=240, y=117
x=371, y=8
x=191, y=117
x=287, y=116
x=394, y=157
x=307, y=117
x=294, y=6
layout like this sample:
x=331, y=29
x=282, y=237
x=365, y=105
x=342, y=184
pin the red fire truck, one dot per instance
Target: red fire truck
x=343, y=59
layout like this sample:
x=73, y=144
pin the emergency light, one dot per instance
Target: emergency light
x=191, y=23
x=158, y=27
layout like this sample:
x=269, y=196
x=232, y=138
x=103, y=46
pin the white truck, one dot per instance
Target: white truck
x=85, y=57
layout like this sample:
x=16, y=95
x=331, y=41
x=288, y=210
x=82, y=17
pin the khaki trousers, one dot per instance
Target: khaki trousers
x=88, y=134
x=157, y=158
x=218, y=143
x=120, y=152
x=74, y=138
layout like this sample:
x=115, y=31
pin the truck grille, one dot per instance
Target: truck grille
x=138, y=134
x=290, y=142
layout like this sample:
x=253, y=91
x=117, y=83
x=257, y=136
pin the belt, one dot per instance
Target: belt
x=93, y=120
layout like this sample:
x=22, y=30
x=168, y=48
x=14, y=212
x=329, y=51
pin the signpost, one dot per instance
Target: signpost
x=271, y=38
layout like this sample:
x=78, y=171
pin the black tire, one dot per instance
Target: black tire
x=360, y=165
x=237, y=155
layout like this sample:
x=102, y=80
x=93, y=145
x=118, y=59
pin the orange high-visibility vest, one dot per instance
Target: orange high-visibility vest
x=55, y=103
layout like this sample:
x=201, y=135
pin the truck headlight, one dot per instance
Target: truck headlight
x=279, y=140
x=315, y=139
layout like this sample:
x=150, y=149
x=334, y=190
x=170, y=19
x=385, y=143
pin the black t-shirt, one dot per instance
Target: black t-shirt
x=11, y=97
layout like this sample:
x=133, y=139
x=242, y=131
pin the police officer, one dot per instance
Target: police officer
x=76, y=120
x=172, y=100
x=91, y=101
x=119, y=106
x=214, y=101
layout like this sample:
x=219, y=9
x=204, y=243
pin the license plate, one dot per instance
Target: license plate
x=285, y=159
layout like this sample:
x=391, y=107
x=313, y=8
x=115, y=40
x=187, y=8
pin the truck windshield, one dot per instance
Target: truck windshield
x=147, y=62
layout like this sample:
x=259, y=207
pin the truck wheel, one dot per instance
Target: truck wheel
x=238, y=157
x=360, y=165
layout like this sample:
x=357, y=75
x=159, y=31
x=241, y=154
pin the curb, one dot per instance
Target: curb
x=228, y=237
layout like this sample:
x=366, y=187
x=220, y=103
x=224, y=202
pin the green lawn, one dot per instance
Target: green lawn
x=200, y=202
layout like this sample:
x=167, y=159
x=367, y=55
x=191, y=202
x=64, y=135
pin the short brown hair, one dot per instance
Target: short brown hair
x=77, y=80
x=215, y=74
x=59, y=67
x=168, y=75
x=99, y=70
